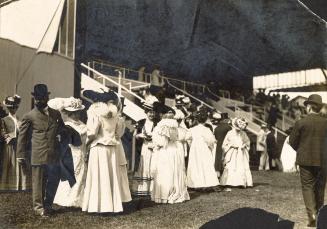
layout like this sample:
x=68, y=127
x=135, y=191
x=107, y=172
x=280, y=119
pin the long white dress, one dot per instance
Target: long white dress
x=288, y=157
x=201, y=171
x=122, y=163
x=169, y=184
x=236, y=147
x=144, y=186
x=73, y=196
x=102, y=189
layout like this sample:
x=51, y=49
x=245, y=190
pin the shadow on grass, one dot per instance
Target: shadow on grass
x=62, y=210
x=260, y=184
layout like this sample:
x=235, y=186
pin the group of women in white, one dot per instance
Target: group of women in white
x=100, y=166
x=167, y=144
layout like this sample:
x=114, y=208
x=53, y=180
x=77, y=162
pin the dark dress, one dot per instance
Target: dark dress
x=220, y=133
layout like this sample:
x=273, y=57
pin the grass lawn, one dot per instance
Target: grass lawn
x=273, y=191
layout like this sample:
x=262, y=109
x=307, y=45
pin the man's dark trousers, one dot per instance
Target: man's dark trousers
x=313, y=180
x=45, y=181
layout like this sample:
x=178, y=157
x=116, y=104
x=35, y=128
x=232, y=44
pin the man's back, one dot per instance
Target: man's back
x=308, y=139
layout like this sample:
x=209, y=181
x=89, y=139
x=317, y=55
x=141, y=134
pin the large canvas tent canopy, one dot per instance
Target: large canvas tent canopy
x=32, y=23
x=37, y=42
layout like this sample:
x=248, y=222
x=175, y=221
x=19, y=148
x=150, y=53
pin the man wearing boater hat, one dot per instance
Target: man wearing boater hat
x=45, y=125
x=308, y=140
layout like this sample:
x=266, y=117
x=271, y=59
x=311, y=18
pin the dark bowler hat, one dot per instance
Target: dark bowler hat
x=313, y=99
x=40, y=91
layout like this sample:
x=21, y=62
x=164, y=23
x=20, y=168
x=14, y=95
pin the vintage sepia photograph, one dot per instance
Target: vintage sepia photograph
x=207, y=114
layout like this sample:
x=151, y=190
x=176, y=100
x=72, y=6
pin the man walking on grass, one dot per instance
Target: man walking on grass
x=308, y=140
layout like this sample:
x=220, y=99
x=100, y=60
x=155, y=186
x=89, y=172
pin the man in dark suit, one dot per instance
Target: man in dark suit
x=308, y=139
x=45, y=125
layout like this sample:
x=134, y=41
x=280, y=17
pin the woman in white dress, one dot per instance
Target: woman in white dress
x=236, y=148
x=102, y=189
x=66, y=195
x=169, y=185
x=142, y=175
x=201, y=171
x=288, y=157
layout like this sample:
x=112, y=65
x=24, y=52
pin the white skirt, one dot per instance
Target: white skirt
x=237, y=169
x=102, y=188
x=73, y=196
x=288, y=157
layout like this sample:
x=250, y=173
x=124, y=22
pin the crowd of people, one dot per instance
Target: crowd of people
x=178, y=148
x=77, y=164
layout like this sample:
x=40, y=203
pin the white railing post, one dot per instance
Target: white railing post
x=119, y=82
x=88, y=70
x=133, y=149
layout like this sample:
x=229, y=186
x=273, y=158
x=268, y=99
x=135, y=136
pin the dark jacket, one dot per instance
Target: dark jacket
x=308, y=139
x=272, y=148
x=220, y=133
x=44, y=130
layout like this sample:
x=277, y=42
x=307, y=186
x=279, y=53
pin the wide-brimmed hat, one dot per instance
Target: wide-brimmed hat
x=147, y=107
x=40, y=91
x=10, y=101
x=162, y=108
x=313, y=99
x=101, y=96
x=76, y=105
x=186, y=100
x=216, y=116
x=239, y=123
x=179, y=102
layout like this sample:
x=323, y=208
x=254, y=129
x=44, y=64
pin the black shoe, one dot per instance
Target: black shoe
x=49, y=211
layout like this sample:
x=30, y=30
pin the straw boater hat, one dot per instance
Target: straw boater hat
x=147, y=107
x=76, y=105
x=11, y=101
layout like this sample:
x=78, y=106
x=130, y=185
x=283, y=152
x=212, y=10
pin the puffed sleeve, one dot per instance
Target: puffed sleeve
x=93, y=125
x=158, y=138
x=227, y=143
x=209, y=139
x=120, y=128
